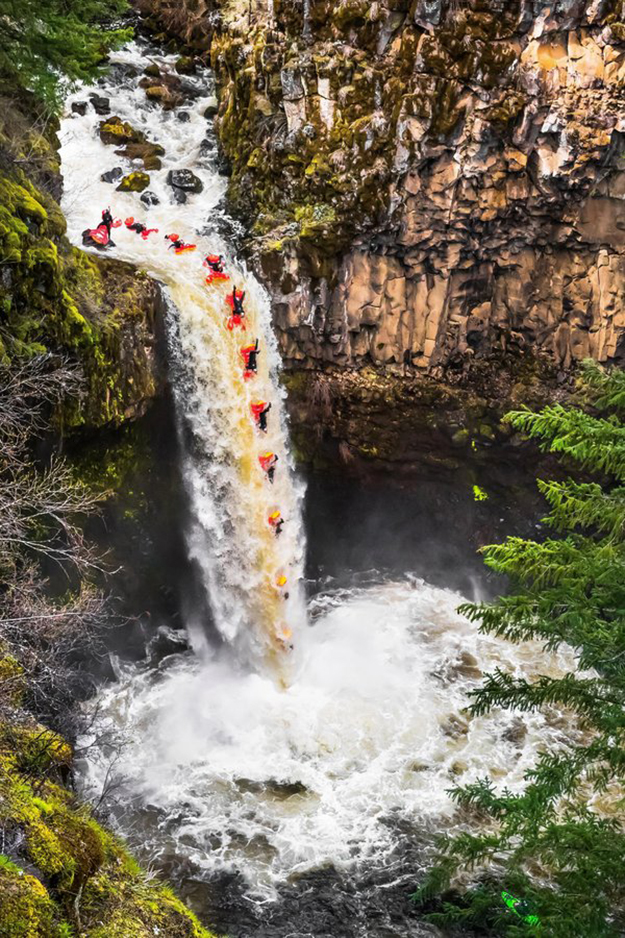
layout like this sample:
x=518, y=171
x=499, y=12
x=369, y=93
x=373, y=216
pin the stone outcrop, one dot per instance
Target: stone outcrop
x=431, y=183
x=95, y=311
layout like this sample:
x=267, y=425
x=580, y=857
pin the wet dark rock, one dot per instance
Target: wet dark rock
x=152, y=71
x=150, y=198
x=184, y=179
x=180, y=196
x=190, y=91
x=79, y=107
x=272, y=785
x=225, y=226
x=148, y=153
x=183, y=116
x=207, y=147
x=165, y=642
x=185, y=65
x=113, y=175
x=211, y=111
x=516, y=732
x=101, y=105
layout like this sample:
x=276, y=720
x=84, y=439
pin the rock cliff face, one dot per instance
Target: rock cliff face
x=428, y=182
x=57, y=299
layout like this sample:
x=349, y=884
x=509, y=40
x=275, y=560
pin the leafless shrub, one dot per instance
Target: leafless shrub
x=50, y=607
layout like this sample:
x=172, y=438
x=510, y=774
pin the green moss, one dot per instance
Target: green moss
x=77, y=859
x=134, y=182
x=12, y=681
x=26, y=910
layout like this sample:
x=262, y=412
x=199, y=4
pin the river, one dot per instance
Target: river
x=289, y=770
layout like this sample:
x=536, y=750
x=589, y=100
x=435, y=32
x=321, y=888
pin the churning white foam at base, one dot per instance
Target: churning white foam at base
x=218, y=766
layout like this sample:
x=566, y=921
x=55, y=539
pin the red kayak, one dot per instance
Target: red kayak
x=216, y=276
x=99, y=237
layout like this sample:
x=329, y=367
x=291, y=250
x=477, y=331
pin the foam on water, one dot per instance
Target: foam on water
x=237, y=775
x=229, y=537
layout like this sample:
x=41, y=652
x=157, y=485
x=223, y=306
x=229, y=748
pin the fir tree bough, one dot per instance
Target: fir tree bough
x=45, y=41
x=560, y=842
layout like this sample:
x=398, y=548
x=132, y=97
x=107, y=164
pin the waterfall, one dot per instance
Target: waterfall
x=251, y=577
x=310, y=795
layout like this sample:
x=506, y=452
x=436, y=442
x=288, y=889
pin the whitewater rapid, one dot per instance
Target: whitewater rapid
x=217, y=765
x=229, y=538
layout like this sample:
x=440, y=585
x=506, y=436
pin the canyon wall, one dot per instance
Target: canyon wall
x=426, y=182
x=93, y=311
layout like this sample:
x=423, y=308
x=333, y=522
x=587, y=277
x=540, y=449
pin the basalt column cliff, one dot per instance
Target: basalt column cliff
x=432, y=188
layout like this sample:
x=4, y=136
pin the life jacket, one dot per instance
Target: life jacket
x=179, y=246
x=231, y=304
x=258, y=408
x=267, y=461
x=214, y=262
x=281, y=581
x=274, y=519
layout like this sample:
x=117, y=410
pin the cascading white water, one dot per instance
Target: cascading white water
x=233, y=774
x=218, y=765
x=235, y=548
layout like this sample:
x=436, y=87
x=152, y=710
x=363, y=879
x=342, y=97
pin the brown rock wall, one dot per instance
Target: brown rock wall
x=428, y=183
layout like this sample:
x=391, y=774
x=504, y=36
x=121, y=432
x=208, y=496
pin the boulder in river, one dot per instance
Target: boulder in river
x=101, y=105
x=152, y=71
x=134, y=182
x=167, y=641
x=79, y=107
x=184, y=179
x=164, y=96
x=185, y=65
x=211, y=111
x=116, y=131
x=150, y=198
x=112, y=175
x=148, y=153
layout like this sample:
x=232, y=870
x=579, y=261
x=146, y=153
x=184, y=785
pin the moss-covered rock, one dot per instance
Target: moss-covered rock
x=134, y=182
x=65, y=874
x=149, y=153
x=185, y=65
x=56, y=298
x=115, y=131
